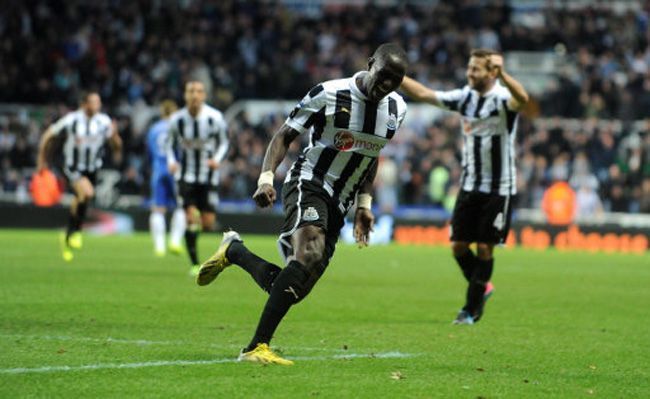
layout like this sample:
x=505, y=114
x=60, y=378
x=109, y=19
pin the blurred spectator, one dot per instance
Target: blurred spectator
x=588, y=205
x=141, y=51
x=386, y=185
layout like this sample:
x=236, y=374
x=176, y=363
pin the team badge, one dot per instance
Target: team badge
x=310, y=214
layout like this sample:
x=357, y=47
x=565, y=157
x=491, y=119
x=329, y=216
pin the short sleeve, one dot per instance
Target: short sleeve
x=450, y=99
x=402, y=113
x=302, y=116
x=504, y=97
x=62, y=124
x=222, y=125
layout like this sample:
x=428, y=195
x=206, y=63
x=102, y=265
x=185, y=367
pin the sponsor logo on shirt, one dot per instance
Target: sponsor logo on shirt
x=346, y=141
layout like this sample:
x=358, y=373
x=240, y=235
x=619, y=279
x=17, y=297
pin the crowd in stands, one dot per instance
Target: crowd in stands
x=141, y=51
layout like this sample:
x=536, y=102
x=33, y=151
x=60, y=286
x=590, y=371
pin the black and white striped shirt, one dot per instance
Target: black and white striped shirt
x=199, y=139
x=84, y=140
x=347, y=133
x=489, y=132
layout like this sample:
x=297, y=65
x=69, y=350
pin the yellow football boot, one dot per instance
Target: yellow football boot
x=66, y=251
x=194, y=270
x=75, y=241
x=211, y=268
x=263, y=354
x=175, y=249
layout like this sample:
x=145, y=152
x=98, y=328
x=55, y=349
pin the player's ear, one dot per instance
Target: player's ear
x=371, y=60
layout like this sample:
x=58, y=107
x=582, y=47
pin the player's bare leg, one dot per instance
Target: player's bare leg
x=84, y=192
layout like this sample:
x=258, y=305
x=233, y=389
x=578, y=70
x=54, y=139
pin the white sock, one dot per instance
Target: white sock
x=157, y=227
x=178, y=227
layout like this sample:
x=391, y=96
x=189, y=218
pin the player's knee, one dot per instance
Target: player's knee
x=192, y=215
x=459, y=248
x=484, y=251
x=84, y=196
x=207, y=221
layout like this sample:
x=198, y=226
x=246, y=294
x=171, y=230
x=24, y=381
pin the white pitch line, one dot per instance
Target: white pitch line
x=144, y=342
x=160, y=363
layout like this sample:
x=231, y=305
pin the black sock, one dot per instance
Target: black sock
x=72, y=223
x=82, y=208
x=75, y=220
x=278, y=304
x=263, y=272
x=467, y=263
x=476, y=289
x=190, y=243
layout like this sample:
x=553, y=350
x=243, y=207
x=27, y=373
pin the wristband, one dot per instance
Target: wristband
x=364, y=201
x=265, y=178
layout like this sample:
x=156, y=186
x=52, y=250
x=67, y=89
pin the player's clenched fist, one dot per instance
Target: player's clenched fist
x=264, y=195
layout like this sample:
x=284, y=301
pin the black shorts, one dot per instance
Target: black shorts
x=306, y=204
x=197, y=195
x=71, y=177
x=481, y=217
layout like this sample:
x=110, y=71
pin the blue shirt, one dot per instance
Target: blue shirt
x=156, y=139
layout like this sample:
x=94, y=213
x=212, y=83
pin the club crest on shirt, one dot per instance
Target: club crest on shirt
x=392, y=122
x=343, y=140
x=310, y=214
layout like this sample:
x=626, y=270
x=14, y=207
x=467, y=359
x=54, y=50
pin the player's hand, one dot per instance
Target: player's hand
x=173, y=167
x=496, y=62
x=213, y=165
x=264, y=195
x=364, y=221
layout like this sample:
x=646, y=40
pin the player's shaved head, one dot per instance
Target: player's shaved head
x=387, y=68
x=393, y=54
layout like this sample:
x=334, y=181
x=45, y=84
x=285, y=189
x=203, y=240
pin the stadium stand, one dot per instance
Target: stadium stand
x=589, y=69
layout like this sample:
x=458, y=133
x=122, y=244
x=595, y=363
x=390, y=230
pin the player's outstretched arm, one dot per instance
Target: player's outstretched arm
x=363, y=217
x=418, y=91
x=265, y=194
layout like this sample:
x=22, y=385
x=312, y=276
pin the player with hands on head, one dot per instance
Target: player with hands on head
x=488, y=106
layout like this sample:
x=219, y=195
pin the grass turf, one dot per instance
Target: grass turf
x=559, y=325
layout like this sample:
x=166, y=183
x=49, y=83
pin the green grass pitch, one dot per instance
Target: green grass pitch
x=117, y=322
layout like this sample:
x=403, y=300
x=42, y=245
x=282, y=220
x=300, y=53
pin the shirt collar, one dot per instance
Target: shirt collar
x=354, y=87
x=493, y=90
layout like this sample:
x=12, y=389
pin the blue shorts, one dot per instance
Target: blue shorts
x=163, y=191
